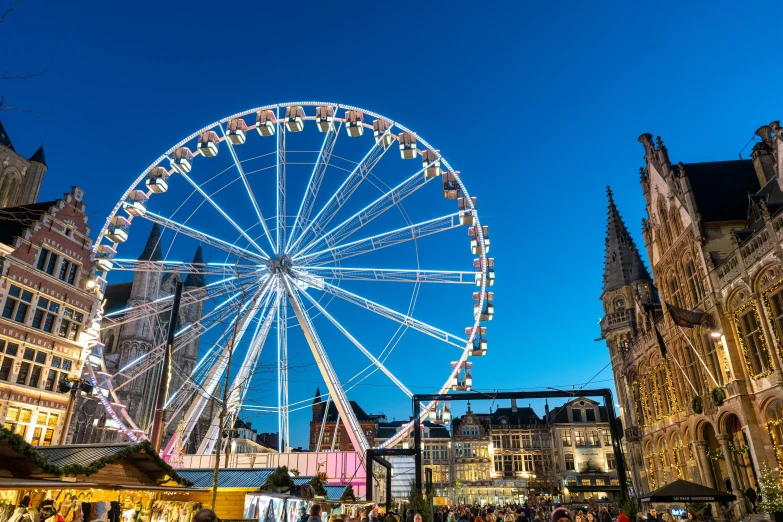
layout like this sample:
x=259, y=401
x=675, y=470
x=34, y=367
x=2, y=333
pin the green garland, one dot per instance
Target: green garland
x=696, y=404
x=20, y=446
x=318, y=486
x=717, y=396
x=738, y=450
x=715, y=455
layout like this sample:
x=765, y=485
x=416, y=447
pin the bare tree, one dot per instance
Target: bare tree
x=10, y=75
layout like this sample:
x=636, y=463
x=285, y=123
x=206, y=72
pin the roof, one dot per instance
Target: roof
x=387, y=430
x=15, y=220
x=151, y=250
x=684, y=491
x=521, y=416
x=622, y=263
x=196, y=279
x=4, y=139
x=331, y=415
x=559, y=415
x=117, y=296
x=721, y=188
x=22, y=459
x=227, y=478
x=38, y=156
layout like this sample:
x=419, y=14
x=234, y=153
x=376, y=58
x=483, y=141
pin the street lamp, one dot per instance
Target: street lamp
x=72, y=385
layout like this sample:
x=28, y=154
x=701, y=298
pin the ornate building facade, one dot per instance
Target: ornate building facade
x=696, y=347
x=46, y=305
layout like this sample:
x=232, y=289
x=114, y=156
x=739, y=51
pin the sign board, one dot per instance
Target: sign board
x=441, y=501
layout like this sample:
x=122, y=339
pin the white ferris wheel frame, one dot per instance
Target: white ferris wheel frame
x=95, y=369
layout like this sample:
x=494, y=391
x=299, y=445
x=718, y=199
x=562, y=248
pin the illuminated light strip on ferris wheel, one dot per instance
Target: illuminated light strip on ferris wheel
x=204, y=238
x=361, y=218
x=223, y=213
x=361, y=348
x=314, y=184
x=249, y=190
x=346, y=189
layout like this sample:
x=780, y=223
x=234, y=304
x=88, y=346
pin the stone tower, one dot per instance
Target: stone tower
x=20, y=178
x=628, y=296
x=139, y=337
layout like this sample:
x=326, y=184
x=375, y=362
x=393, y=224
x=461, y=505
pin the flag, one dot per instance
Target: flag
x=685, y=318
x=661, y=343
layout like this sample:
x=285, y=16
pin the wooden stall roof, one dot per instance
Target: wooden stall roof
x=14, y=483
x=23, y=460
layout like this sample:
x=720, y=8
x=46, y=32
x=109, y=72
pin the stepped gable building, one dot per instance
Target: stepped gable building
x=125, y=344
x=704, y=402
x=46, y=304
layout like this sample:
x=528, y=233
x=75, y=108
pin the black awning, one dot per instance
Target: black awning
x=684, y=491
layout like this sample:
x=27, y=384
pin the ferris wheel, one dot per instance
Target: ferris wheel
x=330, y=230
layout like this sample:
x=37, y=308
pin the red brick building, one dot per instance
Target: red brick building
x=45, y=304
x=369, y=424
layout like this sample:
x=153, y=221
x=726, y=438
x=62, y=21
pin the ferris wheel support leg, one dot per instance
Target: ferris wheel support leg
x=197, y=406
x=240, y=385
x=282, y=372
x=356, y=343
x=355, y=432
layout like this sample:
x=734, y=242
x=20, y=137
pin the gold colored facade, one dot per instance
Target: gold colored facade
x=708, y=408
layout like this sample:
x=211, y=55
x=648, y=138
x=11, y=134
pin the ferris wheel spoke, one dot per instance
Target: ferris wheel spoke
x=228, y=343
x=356, y=222
x=355, y=432
x=163, y=304
x=220, y=269
x=242, y=174
x=363, y=169
x=361, y=348
x=182, y=338
x=205, y=238
x=241, y=381
x=314, y=184
x=380, y=241
x=393, y=275
x=280, y=140
x=385, y=311
x=225, y=215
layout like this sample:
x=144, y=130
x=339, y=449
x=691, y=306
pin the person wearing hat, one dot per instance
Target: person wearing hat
x=561, y=514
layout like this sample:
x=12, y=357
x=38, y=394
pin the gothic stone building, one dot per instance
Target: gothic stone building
x=708, y=407
x=126, y=342
x=45, y=302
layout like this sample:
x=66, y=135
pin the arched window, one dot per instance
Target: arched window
x=663, y=229
x=619, y=304
x=673, y=285
x=752, y=339
x=774, y=415
x=109, y=345
x=693, y=281
x=7, y=190
x=708, y=350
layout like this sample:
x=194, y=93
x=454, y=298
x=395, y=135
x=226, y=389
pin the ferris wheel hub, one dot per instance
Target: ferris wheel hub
x=281, y=265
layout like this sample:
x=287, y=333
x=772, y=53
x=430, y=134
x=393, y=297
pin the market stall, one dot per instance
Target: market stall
x=113, y=482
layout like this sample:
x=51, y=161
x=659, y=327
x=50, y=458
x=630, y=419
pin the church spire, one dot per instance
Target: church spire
x=196, y=279
x=152, y=248
x=623, y=264
x=317, y=398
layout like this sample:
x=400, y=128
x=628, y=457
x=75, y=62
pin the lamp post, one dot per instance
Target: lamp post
x=72, y=385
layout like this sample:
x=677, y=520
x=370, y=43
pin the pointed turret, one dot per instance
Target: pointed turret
x=4, y=139
x=623, y=264
x=196, y=280
x=38, y=156
x=317, y=398
x=152, y=248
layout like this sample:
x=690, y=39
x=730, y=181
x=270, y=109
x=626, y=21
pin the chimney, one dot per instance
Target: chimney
x=514, y=405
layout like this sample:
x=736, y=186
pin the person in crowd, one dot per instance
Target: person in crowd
x=622, y=517
x=205, y=515
x=750, y=494
x=640, y=517
x=409, y=516
x=315, y=513
x=578, y=517
x=560, y=514
x=652, y=516
x=590, y=517
x=303, y=515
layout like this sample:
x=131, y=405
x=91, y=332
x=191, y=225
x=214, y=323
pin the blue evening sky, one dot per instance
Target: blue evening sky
x=538, y=104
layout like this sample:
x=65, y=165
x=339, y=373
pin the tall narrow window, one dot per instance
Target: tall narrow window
x=752, y=337
x=17, y=304
x=694, y=283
